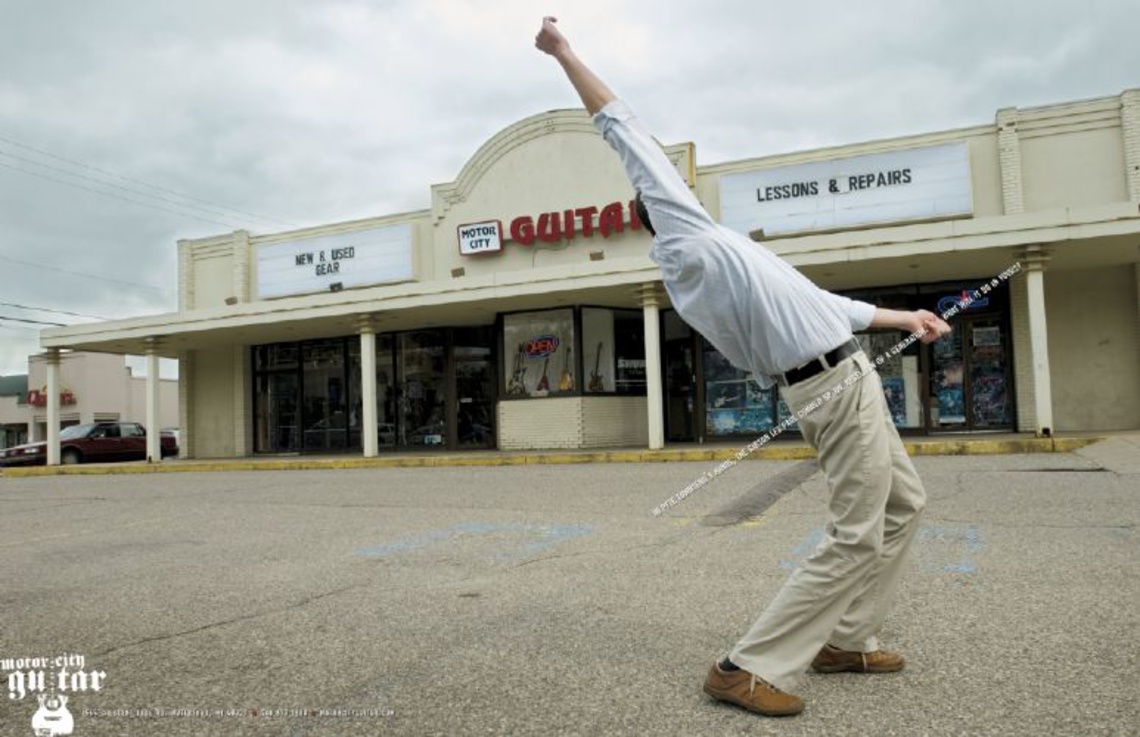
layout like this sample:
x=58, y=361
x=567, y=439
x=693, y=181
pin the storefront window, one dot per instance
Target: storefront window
x=277, y=356
x=325, y=399
x=538, y=353
x=948, y=388
x=629, y=347
x=422, y=388
x=308, y=396
x=614, y=342
x=386, y=401
x=598, y=345
x=278, y=411
x=900, y=375
x=734, y=403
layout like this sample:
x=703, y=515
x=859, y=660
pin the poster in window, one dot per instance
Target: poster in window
x=894, y=387
x=629, y=346
x=987, y=337
x=537, y=353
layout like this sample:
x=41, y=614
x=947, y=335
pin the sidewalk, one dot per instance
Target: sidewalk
x=780, y=450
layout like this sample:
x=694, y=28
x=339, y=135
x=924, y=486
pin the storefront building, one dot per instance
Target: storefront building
x=522, y=311
x=91, y=387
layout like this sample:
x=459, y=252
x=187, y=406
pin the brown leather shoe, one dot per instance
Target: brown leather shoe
x=752, y=692
x=833, y=660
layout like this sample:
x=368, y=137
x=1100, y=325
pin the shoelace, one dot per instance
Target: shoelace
x=762, y=682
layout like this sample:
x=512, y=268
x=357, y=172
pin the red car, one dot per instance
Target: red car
x=97, y=442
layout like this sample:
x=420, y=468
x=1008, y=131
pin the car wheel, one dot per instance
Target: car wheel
x=71, y=457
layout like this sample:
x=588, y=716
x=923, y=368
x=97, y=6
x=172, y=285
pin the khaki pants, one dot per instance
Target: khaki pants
x=841, y=594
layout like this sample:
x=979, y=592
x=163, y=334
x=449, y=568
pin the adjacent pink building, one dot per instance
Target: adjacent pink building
x=93, y=387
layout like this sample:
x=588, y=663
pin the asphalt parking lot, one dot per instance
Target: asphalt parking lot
x=528, y=600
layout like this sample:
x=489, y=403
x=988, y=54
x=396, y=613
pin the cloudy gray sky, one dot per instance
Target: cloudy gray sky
x=126, y=125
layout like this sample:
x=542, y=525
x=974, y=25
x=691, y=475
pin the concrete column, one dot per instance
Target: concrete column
x=185, y=403
x=1034, y=260
x=368, y=387
x=53, y=407
x=650, y=295
x=153, y=403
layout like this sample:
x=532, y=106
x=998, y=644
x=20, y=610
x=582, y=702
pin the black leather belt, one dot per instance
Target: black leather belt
x=818, y=364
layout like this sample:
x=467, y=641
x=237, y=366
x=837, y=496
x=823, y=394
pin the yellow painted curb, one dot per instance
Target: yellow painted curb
x=965, y=446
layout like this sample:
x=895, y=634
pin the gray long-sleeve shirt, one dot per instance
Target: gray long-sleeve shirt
x=755, y=308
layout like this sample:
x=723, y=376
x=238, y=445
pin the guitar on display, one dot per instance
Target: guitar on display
x=516, y=386
x=595, y=377
x=544, y=382
x=566, y=383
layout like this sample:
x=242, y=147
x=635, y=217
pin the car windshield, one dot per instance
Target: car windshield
x=75, y=432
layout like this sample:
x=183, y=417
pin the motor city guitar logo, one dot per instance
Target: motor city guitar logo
x=53, y=681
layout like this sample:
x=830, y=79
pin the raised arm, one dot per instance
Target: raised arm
x=672, y=208
x=593, y=91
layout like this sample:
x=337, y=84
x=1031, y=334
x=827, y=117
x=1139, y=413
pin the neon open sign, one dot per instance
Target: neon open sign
x=541, y=346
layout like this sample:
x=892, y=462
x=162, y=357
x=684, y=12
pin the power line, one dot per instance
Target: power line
x=97, y=277
x=49, y=309
x=144, y=183
x=32, y=322
x=191, y=208
x=117, y=197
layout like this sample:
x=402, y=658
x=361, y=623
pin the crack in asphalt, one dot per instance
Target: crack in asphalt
x=232, y=620
x=759, y=498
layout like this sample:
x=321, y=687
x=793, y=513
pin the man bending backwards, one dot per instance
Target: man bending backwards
x=767, y=318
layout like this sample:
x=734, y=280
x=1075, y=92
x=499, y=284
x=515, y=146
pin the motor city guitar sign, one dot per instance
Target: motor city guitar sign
x=550, y=227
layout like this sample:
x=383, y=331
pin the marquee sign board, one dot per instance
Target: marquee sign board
x=338, y=261
x=894, y=186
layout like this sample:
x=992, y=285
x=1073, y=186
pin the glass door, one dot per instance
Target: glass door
x=683, y=395
x=680, y=389
x=474, y=394
x=421, y=389
x=277, y=410
x=970, y=386
x=325, y=399
x=989, y=375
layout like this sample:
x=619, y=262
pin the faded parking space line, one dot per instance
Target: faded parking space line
x=938, y=549
x=524, y=543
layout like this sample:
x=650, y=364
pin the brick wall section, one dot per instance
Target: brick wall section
x=1130, y=124
x=1009, y=156
x=1022, y=363
x=573, y=422
x=615, y=422
x=185, y=278
x=537, y=424
x=241, y=265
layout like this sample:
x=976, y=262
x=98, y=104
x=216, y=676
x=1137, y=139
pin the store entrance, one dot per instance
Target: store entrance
x=434, y=390
x=445, y=383
x=970, y=385
x=679, y=351
x=474, y=379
